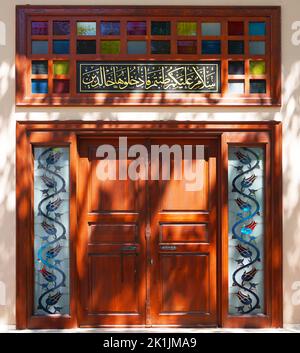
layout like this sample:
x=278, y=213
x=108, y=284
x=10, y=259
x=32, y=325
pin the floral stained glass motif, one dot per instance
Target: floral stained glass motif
x=246, y=230
x=51, y=230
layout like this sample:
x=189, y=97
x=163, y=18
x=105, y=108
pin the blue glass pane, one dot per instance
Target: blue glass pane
x=137, y=47
x=211, y=47
x=257, y=48
x=39, y=67
x=236, y=87
x=39, y=86
x=211, y=29
x=257, y=28
x=39, y=47
x=61, y=47
x=236, y=67
x=109, y=28
x=246, y=170
x=258, y=86
x=236, y=47
x=51, y=231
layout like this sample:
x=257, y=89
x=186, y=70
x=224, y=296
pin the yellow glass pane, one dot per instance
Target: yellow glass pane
x=61, y=67
x=186, y=28
x=110, y=47
x=257, y=67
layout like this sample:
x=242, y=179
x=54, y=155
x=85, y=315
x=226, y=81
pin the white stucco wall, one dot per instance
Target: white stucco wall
x=289, y=114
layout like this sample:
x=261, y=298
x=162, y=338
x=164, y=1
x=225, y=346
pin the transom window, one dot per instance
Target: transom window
x=243, y=43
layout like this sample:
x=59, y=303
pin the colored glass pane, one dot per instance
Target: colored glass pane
x=61, y=67
x=61, y=47
x=110, y=47
x=236, y=86
x=39, y=47
x=136, y=28
x=236, y=68
x=86, y=47
x=235, y=28
x=110, y=28
x=39, y=28
x=186, y=28
x=236, y=47
x=160, y=47
x=257, y=28
x=257, y=47
x=86, y=28
x=137, y=47
x=39, y=67
x=258, y=86
x=39, y=86
x=211, y=47
x=211, y=29
x=61, y=86
x=160, y=28
x=186, y=47
x=257, y=67
x=61, y=28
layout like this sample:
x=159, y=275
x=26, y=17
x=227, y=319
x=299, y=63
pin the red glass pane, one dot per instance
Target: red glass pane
x=61, y=86
x=235, y=28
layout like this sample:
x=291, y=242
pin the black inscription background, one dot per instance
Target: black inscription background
x=192, y=77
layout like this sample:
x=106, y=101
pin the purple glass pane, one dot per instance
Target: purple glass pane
x=39, y=28
x=136, y=28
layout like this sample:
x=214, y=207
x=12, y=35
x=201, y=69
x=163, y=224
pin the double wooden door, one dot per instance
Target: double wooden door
x=146, y=251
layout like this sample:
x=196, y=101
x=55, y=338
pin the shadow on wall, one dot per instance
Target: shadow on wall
x=290, y=114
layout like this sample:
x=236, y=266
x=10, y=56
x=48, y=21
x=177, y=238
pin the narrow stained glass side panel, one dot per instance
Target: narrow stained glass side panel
x=51, y=231
x=246, y=230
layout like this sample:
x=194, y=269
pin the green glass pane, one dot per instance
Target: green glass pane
x=61, y=67
x=86, y=28
x=110, y=47
x=257, y=67
x=186, y=28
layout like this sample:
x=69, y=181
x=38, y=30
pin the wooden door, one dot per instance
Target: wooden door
x=183, y=243
x=147, y=248
x=111, y=244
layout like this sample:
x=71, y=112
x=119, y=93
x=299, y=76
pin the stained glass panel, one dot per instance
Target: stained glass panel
x=136, y=47
x=186, y=47
x=61, y=86
x=160, y=47
x=235, y=28
x=51, y=230
x=257, y=67
x=86, y=47
x=211, y=47
x=257, y=28
x=39, y=47
x=39, y=86
x=61, y=47
x=236, y=86
x=257, y=47
x=246, y=230
x=236, y=47
x=236, y=67
x=258, y=86
x=61, y=67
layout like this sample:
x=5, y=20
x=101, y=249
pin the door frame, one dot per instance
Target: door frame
x=42, y=133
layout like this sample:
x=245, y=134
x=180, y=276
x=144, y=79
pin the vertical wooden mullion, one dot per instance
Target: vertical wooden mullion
x=123, y=36
x=173, y=36
x=72, y=57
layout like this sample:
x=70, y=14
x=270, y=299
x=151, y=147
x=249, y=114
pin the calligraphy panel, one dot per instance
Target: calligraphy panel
x=192, y=77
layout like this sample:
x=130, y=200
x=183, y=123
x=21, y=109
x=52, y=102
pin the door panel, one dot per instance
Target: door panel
x=147, y=249
x=183, y=245
x=111, y=259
